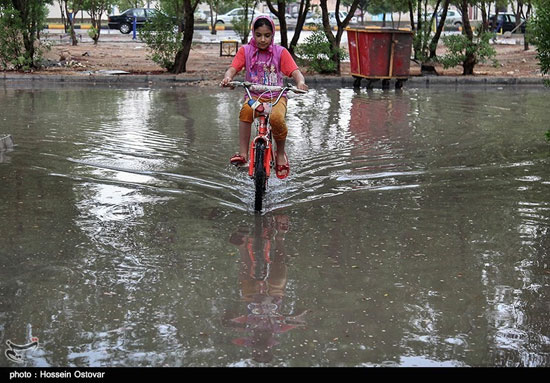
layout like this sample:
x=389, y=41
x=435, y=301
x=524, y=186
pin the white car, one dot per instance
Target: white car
x=316, y=19
x=236, y=13
x=453, y=18
x=200, y=15
x=343, y=15
x=275, y=17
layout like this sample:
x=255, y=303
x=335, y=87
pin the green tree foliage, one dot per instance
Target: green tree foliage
x=316, y=53
x=469, y=48
x=425, y=38
x=20, y=25
x=278, y=8
x=70, y=7
x=96, y=9
x=227, y=5
x=341, y=25
x=462, y=49
x=303, y=9
x=162, y=41
x=376, y=7
x=242, y=25
x=279, y=11
x=170, y=34
x=362, y=6
x=126, y=4
x=215, y=6
x=539, y=29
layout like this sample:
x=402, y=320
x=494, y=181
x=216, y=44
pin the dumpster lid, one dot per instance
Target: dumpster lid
x=376, y=29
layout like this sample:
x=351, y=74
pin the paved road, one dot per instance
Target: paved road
x=109, y=35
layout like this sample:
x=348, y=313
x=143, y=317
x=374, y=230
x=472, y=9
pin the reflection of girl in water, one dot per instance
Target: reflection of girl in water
x=263, y=280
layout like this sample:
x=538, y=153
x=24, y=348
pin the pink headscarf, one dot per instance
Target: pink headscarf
x=255, y=49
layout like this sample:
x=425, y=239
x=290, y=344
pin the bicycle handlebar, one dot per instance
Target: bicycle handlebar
x=265, y=88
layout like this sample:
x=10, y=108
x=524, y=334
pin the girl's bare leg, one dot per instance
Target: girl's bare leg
x=281, y=159
x=244, y=138
x=281, y=151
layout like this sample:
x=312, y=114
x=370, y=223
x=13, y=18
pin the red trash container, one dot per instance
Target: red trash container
x=380, y=53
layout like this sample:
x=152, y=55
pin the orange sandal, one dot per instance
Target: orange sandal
x=279, y=169
x=238, y=160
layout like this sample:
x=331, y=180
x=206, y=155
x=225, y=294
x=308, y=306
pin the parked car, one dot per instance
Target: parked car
x=313, y=19
x=317, y=19
x=275, y=17
x=506, y=22
x=125, y=21
x=308, y=15
x=200, y=15
x=236, y=13
x=344, y=14
x=453, y=17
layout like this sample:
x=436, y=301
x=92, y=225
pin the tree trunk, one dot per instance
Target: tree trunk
x=25, y=11
x=335, y=41
x=484, y=18
x=527, y=16
x=471, y=60
x=328, y=33
x=342, y=24
x=469, y=65
x=96, y=23
x=71, y=24
x=417, y=42
x=282, y=23
x=182, y=56
x=302, y=13
x=419, y=16
x=280, y=12
x=439, y=30
x=28, y=41
x=63, y=19
x=213, y=30
x=411, y=15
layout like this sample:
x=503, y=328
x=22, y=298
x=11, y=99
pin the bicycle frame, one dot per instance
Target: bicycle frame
x=261, y=112
x=264, y=133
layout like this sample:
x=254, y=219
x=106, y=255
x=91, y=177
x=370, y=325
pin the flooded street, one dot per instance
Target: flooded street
x=414, y=230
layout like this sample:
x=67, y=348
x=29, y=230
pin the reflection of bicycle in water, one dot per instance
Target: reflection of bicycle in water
x=263, y=279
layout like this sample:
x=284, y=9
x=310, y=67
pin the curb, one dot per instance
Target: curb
x=162, y=80
x=439, y=81
x=198, y=27
x=457, y=81
x=76, y=26
x=331, y=81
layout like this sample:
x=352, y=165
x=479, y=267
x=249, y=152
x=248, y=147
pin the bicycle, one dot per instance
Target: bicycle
x=261, y=156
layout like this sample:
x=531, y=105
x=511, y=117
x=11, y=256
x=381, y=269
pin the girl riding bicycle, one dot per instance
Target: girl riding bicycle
x=265, y=63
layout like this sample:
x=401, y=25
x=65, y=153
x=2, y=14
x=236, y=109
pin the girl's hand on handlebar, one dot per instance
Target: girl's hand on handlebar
x=302, y=86
x=226, y=82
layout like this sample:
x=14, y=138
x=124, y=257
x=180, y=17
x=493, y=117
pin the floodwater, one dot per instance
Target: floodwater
x=414, y=230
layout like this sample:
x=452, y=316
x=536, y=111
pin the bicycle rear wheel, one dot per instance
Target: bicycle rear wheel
x=260, y=174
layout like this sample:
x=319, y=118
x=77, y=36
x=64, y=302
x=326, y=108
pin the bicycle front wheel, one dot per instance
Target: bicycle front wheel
x=260, y=174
